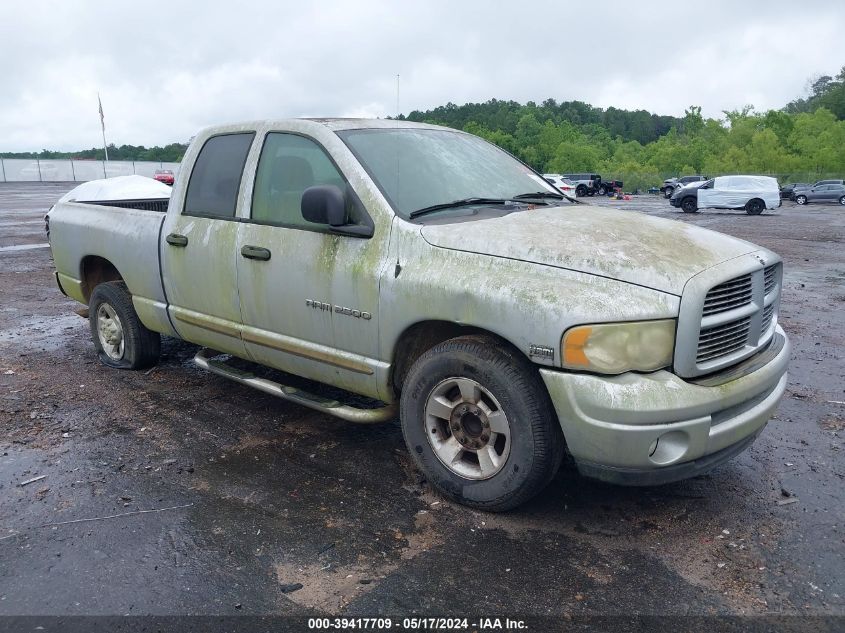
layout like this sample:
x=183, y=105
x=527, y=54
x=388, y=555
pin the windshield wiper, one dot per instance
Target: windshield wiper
x=465, y=202
x=539, y=194
x=546, y=194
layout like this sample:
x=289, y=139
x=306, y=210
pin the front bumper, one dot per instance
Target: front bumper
x=675, y=202
x=645, y=429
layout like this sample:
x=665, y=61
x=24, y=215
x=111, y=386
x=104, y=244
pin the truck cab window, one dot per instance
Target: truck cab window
x=289, y=164
x=216, y=177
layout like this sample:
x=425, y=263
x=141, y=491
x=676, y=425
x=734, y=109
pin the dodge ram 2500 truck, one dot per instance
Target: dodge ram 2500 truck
x=435, y=274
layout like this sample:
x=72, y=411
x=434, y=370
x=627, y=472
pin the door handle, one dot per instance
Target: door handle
x=255, y=252
x=175, y=239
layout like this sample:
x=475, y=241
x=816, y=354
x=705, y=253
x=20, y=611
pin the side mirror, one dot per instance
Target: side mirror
x=324, y=204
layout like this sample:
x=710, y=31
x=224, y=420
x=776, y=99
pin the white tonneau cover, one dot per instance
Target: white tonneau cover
x=118, y=188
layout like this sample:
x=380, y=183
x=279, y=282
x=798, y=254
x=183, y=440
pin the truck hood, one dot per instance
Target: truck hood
x=624, y=245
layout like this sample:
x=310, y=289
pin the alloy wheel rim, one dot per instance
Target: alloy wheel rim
x=467, y=428
x=110, y=331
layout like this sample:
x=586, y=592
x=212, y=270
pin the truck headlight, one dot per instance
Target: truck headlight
x=614, y=348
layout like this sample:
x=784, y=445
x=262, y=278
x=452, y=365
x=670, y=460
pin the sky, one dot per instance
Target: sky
x=166, y=69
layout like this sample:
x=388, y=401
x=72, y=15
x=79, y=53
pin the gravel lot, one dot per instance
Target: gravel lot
x=253, y=495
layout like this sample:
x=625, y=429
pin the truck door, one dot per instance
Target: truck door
x=199, y=248
x=309, y=297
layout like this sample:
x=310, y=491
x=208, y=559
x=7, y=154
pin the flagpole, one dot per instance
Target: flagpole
x=103, y=125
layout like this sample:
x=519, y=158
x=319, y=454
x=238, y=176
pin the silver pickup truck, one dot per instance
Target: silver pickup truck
x=448, y=283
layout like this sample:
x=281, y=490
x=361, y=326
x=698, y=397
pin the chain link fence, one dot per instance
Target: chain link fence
x=35, y=170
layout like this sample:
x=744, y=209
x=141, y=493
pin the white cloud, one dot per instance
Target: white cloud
x=165, y=70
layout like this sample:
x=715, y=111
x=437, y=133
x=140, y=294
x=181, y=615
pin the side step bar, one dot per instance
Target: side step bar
x=204, y=359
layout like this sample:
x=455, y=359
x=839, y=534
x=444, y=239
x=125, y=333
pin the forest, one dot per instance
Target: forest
x=802, y=142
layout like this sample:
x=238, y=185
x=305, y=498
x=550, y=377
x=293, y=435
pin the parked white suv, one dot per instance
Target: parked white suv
x=752, y=193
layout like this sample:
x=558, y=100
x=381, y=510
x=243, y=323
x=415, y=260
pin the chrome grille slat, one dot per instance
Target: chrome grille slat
x=730, y=286
x=722, y=331
x=729, y=303
x=768, y=314
x=722, y=352
x=770, y=278
x=717, y=342
x=739, y=290
x=728, y=295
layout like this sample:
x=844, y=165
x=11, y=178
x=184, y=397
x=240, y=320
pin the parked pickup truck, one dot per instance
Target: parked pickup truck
x=445, y=281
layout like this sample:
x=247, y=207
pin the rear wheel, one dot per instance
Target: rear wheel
x=842, y=200
x=689, y=205
x=121, y=340
x=801, y=199
x=479, y=423
x=602, y=190
x=755, y=207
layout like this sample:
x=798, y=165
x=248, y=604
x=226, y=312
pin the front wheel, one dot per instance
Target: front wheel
x=801, y=199
x=755, y=207
x=689, y=205
x=121, y=340
x=842, y=200
x=581, y=191
x=667, y=192
x=479, y=424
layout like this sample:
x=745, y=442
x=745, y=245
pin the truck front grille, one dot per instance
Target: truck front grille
x=736, y=318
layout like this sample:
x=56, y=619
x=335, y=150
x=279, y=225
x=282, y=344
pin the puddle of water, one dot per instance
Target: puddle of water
x=23, y=247
x=43, y=332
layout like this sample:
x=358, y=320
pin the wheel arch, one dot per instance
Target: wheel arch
x=95, y=270
x=420, y=337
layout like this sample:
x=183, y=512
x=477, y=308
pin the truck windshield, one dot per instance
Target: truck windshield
x=419, y=168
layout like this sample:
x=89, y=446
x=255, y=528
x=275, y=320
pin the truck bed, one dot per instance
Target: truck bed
x=124, y=233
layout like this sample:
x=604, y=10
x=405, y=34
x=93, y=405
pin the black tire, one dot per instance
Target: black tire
x=842, y=200
x=602, y=191
x=668, y=191
x=580, y=191
x=535, y=441
x=689, y=205
x=140, y=347
x=755, y=207
x=801, y=199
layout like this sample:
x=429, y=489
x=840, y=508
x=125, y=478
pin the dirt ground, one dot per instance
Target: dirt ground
x=173, y=491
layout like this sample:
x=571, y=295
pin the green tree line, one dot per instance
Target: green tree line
x=171, y=153
x=802, y=142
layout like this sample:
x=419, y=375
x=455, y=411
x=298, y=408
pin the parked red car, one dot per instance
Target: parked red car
x=164, y=175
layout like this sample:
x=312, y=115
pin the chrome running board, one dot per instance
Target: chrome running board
x=204, y=359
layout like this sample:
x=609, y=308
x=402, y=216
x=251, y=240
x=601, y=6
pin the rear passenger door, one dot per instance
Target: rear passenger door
x=199, y=250
x=827, y=192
